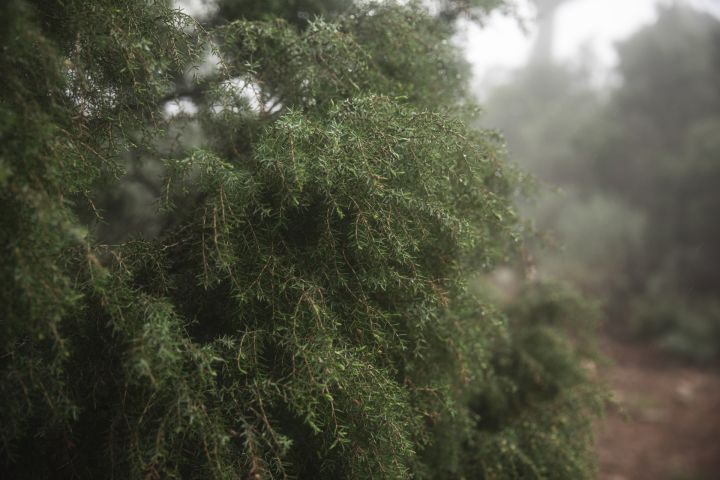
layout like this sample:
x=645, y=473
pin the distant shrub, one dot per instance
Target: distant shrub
x=528, y=411
x=688, y=329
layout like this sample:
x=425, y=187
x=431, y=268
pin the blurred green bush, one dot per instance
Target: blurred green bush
x=688, y=330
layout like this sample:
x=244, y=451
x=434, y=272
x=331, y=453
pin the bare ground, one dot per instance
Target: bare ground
x=667, y=423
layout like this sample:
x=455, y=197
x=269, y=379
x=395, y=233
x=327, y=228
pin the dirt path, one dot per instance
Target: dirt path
x=672, y=430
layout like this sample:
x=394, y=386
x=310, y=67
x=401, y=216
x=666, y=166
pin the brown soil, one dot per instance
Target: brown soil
x=666, y=425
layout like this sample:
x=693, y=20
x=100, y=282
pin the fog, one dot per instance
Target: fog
x=615, y=109
x=586, y=32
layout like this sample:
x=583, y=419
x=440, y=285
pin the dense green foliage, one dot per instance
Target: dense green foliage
x=300, y=308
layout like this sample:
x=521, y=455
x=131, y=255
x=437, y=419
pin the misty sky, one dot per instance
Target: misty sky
x=586, y=33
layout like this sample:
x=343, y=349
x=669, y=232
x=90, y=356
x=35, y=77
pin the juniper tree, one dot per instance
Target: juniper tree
x=301, y=309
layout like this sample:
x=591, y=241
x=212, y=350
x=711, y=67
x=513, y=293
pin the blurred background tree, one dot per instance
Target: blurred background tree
x=638, y=169
x=656, y=149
